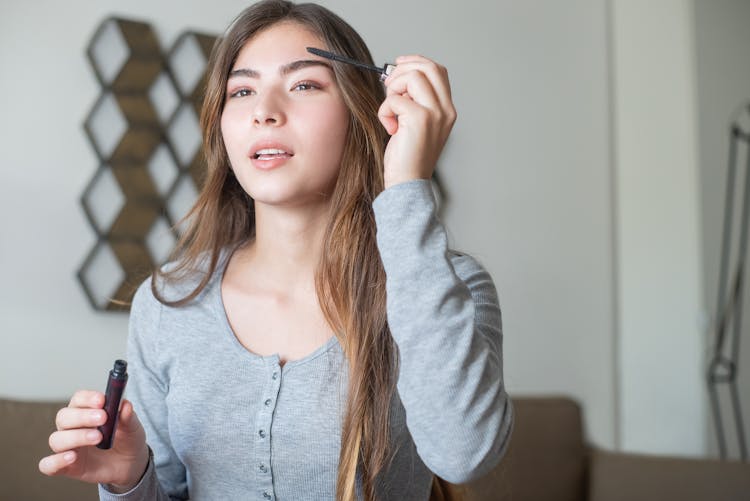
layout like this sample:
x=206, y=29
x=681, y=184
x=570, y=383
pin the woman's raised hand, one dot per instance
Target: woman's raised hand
x=74, y=444
x=418, y=113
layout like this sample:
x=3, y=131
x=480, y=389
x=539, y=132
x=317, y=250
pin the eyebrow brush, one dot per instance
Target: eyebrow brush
x=384, y=71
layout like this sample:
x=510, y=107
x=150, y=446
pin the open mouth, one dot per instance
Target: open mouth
x=271, y=153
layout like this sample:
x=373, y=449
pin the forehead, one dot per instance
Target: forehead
x=278, y=44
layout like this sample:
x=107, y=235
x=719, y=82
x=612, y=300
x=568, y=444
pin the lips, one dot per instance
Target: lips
x=268, y=154
x=267, y=150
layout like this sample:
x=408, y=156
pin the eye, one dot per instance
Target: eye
x=241, y=92
x=306, y=85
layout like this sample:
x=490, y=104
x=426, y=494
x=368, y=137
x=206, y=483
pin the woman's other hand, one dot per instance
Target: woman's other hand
x=74, y=444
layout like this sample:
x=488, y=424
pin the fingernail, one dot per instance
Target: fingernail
x=69, y=456
x=92, y=435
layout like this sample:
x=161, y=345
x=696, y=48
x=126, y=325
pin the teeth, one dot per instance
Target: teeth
x=269, y=151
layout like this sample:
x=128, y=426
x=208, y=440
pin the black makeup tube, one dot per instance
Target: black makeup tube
x=118, y=378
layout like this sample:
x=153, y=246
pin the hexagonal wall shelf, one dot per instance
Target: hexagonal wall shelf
x=163, y=169
x=125, y=55
x=101, y=276
x=164, y=96
x=188, y=59
x=144, y=129
x=123, y=128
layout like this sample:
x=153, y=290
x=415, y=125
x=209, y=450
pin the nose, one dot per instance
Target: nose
x=269, y=110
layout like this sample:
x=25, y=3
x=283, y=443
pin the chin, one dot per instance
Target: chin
x=289, y=193
x=285, y=198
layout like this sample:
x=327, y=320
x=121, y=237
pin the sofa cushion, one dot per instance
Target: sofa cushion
x=624, y=477
x=24, y=430
x=546, y=458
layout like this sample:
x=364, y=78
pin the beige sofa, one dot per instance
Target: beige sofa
x=547, y=461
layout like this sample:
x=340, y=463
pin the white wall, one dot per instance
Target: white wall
x=657, y=221
x=722, y=46
x=52, y=342
x=529, y=171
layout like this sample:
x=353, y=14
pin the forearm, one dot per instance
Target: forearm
x=444, y=317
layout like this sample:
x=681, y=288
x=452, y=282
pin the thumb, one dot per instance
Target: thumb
x=128, y=421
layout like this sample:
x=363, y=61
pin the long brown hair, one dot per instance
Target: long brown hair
x=350, y=280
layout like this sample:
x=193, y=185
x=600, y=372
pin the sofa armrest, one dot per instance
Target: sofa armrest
x=623, y=477
x=546, y=458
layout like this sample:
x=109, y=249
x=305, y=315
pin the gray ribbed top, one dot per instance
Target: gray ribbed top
x=227, y=424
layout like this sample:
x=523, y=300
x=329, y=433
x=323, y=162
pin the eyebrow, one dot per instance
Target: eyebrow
x=283, y=70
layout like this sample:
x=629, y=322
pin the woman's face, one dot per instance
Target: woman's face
x=284, y=121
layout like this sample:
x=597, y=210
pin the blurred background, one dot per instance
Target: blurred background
x=586, y=171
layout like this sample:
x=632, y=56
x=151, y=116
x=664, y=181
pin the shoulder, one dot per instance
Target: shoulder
x=154, y=318
x=177, y=280
x=144, y=304
x=154, y=298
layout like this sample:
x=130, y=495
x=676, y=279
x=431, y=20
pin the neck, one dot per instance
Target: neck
x=287, y=246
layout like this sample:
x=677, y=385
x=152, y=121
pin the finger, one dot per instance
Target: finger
x=417, y=86
x=445, y=111
x=442, y=117
x=70, y=417
x=87, y=398
x=61, y=441
x=418, y=59
x=406, y=58
x=398, y=110
x=56, y=463
x=436, y=74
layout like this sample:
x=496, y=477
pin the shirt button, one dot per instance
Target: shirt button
x=266, y=495
x=262, y=433
x=275, y=375
x=263, y=468
x=267, y=402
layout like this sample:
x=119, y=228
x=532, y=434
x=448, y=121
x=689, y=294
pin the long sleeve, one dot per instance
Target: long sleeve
x=147, y=389
x=445, y=319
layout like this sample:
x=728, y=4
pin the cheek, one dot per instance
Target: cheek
x=231, y=129
x=226, y=128
x=333, y=126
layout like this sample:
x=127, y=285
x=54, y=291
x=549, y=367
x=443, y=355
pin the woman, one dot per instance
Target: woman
x=315, y=338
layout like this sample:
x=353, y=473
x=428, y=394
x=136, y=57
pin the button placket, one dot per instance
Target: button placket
x=264, y=421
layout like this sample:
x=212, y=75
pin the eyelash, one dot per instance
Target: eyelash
x=238, y=91
x=310, y=86
x=307, y=83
